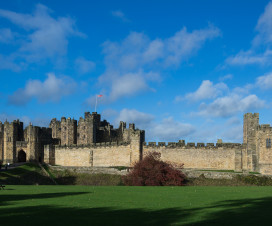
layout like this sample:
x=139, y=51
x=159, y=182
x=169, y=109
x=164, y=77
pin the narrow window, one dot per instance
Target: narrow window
x=268, y=143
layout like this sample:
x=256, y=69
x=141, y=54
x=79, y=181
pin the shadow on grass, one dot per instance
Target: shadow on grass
x=239, y=212
x=48, y=215
x=233, y=212
x=6, y=200
x=29, y=174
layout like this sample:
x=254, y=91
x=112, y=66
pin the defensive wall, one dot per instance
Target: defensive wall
x=219, y=156
x=96, y=155
x=90, y=142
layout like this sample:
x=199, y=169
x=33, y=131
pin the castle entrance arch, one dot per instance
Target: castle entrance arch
x=21, y=156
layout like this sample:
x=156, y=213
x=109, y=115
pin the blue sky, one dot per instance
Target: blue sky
x=178, y=69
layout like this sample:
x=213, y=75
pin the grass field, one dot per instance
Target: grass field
x=120, y=205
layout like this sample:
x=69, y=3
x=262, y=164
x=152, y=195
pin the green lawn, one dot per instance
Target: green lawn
x=120, y=205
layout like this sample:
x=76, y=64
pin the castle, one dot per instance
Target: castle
x=95, y=143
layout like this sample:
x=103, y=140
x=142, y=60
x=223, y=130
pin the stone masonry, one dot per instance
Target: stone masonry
x=90, y=142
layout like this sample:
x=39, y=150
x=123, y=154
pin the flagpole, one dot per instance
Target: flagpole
x=95, y=103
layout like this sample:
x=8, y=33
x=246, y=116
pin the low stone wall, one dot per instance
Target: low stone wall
x=91, y=170
x=190, y=173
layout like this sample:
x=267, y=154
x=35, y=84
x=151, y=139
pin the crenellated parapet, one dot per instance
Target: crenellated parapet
x=192, y=145
x=94, y=145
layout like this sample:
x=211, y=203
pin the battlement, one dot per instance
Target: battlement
x=265, y=127
x=94, y=145
x=181, y=144
x=14, y=122
x=252, y=115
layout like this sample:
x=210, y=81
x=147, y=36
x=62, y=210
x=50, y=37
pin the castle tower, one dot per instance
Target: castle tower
x=12, y=132
x=33, y=141
x=251, y=126
x=87, y=128
x=136, y=138
x=56, y=128
x=68, y=131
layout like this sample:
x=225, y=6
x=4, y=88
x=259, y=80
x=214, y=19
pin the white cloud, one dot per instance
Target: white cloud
x=127, y=85
x=250, y=57
x=264, y=27
x=47, y=37
x=119, y=14
x=170, y=130
x=138, y=50
x=260, y=51
x=84, y=66
x=141, y=120
x=165, y=130
x=133, y=64
x=207, y=90
x=226, y=77
x=265, y=81
x=52, y=89
x=183, y=44
x=229, y=105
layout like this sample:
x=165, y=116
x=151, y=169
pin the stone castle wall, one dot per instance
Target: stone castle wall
x=224, y=156
x=91, y=142
x=264, y=149
x=99, y=155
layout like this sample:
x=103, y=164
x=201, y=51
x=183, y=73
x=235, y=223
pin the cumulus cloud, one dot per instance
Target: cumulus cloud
x=170, y=130
x=47, y=37
x=165, y=130
x=134, y=64
x=264, y=27
x=128, y=84
x=183, y=44
x=265, y=81
x=51, y=89
x=141, y=120
x=260, y=51
x=83, y=65
x=138, y=50
x=229, y=105
x=207, y=90
x=119, y=14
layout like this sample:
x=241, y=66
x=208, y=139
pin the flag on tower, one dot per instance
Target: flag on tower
x=99, y=95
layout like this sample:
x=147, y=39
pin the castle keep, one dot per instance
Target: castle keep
x=92, y=142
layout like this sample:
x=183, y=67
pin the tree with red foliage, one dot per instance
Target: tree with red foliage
x=151, y=171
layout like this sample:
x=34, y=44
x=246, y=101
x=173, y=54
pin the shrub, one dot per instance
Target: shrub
x=151, y=171
x=255, y=180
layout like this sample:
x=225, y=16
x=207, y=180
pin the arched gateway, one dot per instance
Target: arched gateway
x=21, y=156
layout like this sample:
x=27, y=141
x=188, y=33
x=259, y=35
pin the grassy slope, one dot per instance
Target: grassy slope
x=119, y=205
x=29, y=173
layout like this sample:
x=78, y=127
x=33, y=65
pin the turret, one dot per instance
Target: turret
x=251, y=126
